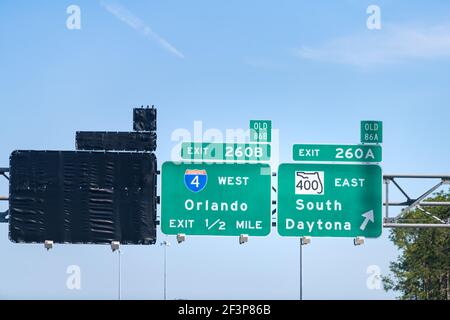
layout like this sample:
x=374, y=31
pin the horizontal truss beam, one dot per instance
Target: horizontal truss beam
x=416, y=225
x=411, y=203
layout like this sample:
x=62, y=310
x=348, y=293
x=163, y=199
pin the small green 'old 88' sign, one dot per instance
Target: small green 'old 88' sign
x=260, y=131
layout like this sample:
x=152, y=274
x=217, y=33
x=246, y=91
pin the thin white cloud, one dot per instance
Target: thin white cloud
x=124, y=15
x=392, y=44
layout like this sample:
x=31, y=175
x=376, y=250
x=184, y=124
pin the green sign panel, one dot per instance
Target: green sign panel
x=338, y=153
x=371, y=131
x=329, y=200
x=216, y=199
x=260, y=130
x=225, y=151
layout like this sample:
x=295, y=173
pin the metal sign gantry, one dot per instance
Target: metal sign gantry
x=414, y=203
x=409, y=203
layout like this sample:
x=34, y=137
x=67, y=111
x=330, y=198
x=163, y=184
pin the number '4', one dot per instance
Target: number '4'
x=195, y=182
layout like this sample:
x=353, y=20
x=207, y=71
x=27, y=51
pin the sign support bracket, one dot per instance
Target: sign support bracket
x=4, y=216
x=3, y=172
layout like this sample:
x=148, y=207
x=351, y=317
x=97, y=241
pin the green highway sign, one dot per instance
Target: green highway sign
x=260, y=130
x=225, y=151
x=337, y=153
x=216, y=199
x=371, y=131
x=329, y=200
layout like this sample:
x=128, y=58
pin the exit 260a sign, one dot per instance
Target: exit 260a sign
x=337, y=153
x=329, y=200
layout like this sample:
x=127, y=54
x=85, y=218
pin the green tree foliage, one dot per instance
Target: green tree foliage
x=422, y=271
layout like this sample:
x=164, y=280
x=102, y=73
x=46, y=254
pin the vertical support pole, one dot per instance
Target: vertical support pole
x=180, y=238
x=386, y=206
x=165, y=272
x=301, y=268
x=120, y=276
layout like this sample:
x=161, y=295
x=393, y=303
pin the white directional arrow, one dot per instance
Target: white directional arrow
x=368, y=217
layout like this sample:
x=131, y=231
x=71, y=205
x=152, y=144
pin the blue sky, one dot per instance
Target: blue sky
x=312, y=67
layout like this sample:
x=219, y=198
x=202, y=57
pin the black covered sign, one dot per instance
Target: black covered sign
x=82, y=197
x=117, y=141
x=144, y=119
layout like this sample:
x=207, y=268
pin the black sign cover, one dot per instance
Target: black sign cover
x=82, y=197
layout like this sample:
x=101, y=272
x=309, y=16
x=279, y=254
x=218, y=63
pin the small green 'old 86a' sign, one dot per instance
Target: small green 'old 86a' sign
x=371, y=131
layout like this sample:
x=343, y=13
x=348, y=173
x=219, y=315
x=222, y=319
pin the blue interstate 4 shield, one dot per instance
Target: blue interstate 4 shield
x=195, y=180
